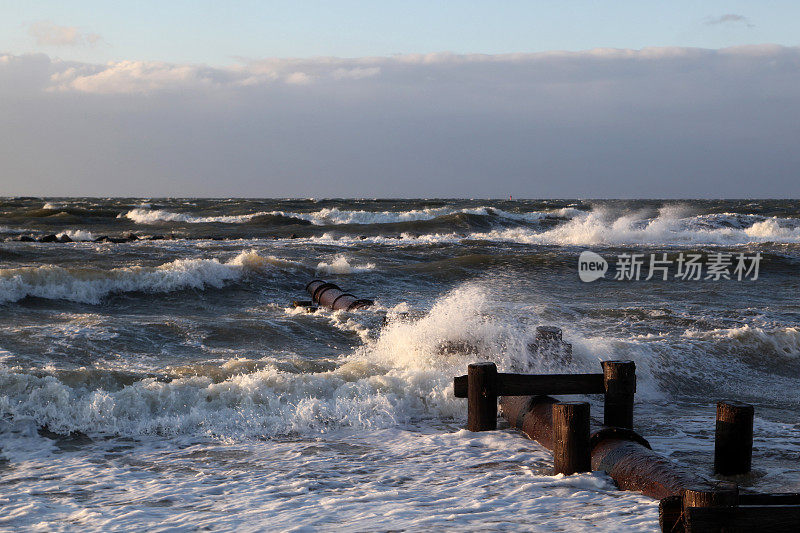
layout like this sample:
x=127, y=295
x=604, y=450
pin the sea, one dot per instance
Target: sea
x=155, y=374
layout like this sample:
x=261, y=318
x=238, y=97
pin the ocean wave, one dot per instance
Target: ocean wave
x=672, y=226
x=772, y=347
x=15, y=231
x=335, y=216
x=77, y=235
x=750, y=363
x=341, y=265
x=143, y=215
x=87, y=285
x=401, y=376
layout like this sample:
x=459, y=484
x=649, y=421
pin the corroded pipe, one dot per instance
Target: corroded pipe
x=621, y=453
x=331, y=296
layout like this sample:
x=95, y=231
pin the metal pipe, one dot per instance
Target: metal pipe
x=333, y=297
x=620, y=452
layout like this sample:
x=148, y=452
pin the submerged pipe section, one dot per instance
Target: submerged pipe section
x=621, y=453
x=331, y=296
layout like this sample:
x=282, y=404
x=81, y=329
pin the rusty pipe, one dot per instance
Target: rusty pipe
x=333, y=297
x=621, y=453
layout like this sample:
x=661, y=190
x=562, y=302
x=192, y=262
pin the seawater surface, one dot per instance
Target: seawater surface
x=166, y=382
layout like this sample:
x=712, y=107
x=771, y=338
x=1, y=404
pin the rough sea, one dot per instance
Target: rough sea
x=166, y=383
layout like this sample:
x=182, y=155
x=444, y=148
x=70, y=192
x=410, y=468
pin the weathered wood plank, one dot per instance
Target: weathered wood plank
x=460, y=384
x=555, y=384
x=743, y=519
x=780, y=498
x=538, y=384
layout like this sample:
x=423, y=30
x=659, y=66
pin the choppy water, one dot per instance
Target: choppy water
x=166, y=382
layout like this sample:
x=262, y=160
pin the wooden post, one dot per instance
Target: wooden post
x=720, y=495
x=733, y=442
x=482, y=396
x=620, y=384
x=669, y=513
x=571, y=452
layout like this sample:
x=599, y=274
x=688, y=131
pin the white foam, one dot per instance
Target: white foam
x=335, y=216
x=356, y=428
x=373, y=443
x=391, y=479
x=341, y=265
x=401, y=375
x=77, y=235
x=156, y=216
x=6, y=229
x=672, y=226
x=332, y=216
x=91, y=285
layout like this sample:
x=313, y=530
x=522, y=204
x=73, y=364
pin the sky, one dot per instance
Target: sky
x=400, y=99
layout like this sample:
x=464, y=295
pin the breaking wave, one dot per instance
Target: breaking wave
x=77, y=235
x=155, y=216
x=335, y=216
x=341, y=265
x=402, y=375
x=672, y=226
x=88, y=285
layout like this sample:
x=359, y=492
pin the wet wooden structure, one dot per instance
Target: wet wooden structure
x=688, y=501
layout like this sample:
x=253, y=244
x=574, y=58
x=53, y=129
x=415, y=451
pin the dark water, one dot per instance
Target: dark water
x=176, y=332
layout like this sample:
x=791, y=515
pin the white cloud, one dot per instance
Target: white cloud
x=45, y=33
x=121, y=77
x=299, y=78
x=604, y=122
x=539, y=69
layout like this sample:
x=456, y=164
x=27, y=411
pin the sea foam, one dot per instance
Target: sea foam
x=88, y=285
x=335, y=216
x=341, y=265
x=77, y=235
x=156, y=216
x=672, y=226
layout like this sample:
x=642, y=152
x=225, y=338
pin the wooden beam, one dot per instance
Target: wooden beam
x=551, y=384
x=743, y=519
x=780, y=498
x=538, y=384
x=460, y=385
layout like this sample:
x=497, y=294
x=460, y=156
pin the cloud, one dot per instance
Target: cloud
x=46, y=33
x=470, y=70
x=729, y=18
x=599, y=123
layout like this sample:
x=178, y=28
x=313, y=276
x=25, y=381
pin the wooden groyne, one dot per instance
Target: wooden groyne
x=688, y=501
